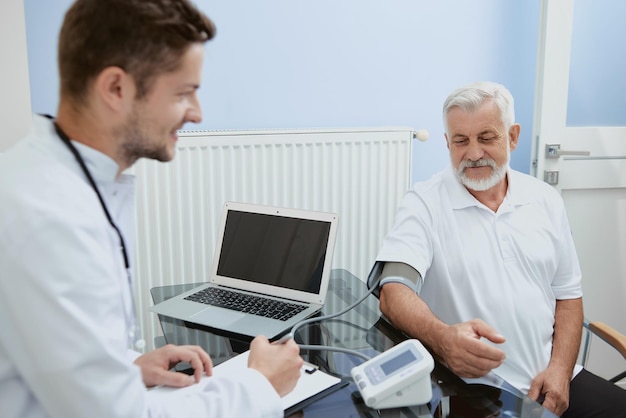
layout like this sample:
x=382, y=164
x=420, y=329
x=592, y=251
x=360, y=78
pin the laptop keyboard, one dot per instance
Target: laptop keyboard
x=244, y=302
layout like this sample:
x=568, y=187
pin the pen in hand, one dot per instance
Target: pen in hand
x=307, y=367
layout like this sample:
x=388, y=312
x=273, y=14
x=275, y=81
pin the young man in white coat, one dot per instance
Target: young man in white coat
x=129, y=72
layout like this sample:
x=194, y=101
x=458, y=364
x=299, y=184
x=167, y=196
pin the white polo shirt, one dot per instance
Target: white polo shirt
x=507, y=268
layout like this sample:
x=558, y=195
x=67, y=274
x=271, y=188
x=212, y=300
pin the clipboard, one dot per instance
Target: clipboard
x=312, y=385
x=303, y=404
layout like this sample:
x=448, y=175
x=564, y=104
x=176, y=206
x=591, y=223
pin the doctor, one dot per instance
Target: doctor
x=129, y=72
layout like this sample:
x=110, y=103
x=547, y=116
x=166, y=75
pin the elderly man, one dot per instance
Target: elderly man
x=480, y=265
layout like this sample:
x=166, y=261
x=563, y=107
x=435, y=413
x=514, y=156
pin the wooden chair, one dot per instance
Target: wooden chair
x=611, y=336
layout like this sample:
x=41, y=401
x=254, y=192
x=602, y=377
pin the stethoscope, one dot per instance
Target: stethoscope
x=133, y=333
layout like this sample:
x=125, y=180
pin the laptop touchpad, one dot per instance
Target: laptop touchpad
x=217, y=316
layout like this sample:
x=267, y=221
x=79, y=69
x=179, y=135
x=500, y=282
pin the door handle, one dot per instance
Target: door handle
x=555, y=151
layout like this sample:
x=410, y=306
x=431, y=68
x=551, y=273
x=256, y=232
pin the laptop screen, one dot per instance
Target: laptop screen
x=274, y=250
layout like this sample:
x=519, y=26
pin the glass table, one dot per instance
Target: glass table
x=362, y=329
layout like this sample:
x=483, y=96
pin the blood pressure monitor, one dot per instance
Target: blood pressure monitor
x=397, y=377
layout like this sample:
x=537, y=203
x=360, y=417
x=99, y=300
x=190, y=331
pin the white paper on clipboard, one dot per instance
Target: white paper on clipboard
x=310, y=383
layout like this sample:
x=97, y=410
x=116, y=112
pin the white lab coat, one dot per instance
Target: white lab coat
x=65, y=300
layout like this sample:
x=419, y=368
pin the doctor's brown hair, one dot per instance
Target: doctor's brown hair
x=145, y=38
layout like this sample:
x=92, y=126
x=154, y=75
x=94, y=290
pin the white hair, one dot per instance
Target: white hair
x=470, y=96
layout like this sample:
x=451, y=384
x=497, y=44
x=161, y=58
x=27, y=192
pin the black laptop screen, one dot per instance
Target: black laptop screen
x=274, y=250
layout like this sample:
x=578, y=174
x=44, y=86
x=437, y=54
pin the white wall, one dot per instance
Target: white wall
x=15, y=107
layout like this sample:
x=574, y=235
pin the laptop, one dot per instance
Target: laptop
x=278, y=255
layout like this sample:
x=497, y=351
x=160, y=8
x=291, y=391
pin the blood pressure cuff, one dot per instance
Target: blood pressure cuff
x=393, y=272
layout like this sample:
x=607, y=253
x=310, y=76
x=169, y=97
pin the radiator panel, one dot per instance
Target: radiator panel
x=360, y=174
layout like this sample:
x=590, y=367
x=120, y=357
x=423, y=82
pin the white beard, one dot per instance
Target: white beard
x=481, y=185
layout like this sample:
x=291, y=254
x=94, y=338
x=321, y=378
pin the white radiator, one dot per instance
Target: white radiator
x=361, y=174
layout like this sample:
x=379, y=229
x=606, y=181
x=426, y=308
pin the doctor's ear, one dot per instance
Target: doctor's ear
x=115, y=88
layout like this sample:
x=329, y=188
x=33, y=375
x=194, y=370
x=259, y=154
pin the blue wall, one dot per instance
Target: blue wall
x=341, y=63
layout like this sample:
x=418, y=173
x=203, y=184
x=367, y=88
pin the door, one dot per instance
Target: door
x=587, y=163
x=15, y=109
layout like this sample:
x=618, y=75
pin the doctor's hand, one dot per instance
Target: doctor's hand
x=155, y=366
x=279, y=363
x=462, y=350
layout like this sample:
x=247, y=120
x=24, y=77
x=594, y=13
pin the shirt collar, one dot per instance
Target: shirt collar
x=520, y=190
x=460, y=198
x=103, y=168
